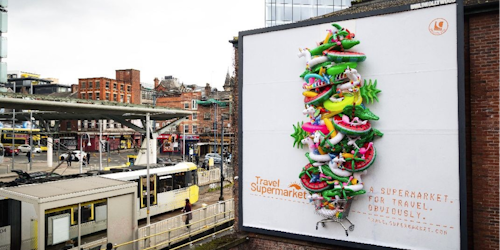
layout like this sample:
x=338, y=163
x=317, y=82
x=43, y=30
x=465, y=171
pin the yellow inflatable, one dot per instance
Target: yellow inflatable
x=337, y=107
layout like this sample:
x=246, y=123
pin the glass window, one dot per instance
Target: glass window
x=128, y=88
x=195, y=116
x=121, y=87
x=90, y=85
x=186, y=128
x=84, y=96
x=90, y=96
x=107, y=85
x=194, y=104
x=165, y=184
x=225, y=116
x=114, y=85
x=83, y=85
x=97, y=84
x=179, y=181
x=128, y=99
x=195, y=129
x=121, y=98
x=114, y=97
x=206, y=116
x=186, y=105
x=107, y=96
x=97, y=97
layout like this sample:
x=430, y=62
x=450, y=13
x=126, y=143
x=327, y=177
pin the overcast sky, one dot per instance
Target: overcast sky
x=71, y=39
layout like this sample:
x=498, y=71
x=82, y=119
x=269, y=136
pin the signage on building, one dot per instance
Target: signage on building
x=413, y=193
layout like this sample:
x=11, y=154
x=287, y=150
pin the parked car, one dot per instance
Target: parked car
x=9, y=151
x=74, y=156
x=37, y=149
x=217, y=158
x=25, y=148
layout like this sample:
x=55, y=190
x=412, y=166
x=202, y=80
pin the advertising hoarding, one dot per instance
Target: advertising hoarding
x=413, y=190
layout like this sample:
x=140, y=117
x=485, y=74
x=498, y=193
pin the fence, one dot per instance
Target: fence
x=206, y=177
x=173, y=230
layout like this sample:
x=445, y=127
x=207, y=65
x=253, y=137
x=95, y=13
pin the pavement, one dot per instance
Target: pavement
x=39, y=163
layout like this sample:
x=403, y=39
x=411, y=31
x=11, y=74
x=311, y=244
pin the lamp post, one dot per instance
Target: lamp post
x=81, y=150
x=221, y=197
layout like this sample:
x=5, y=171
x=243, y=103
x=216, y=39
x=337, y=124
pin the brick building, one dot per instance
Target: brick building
x=126, y=88
x=481, y=52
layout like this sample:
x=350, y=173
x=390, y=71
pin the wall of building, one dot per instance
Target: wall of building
x=132, y=76
x=183, y=101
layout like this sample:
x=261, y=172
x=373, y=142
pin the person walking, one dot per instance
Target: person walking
x=88, y=158
x=29, y=156
x=187, y=210
x=68, y=160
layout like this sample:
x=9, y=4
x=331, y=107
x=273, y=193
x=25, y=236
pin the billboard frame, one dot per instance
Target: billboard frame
x=461, y=120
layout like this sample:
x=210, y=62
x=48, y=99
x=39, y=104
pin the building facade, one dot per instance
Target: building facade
x=289, y=11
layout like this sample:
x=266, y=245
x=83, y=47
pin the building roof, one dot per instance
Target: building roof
x=65, y=189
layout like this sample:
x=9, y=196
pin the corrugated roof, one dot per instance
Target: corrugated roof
x=65, y=189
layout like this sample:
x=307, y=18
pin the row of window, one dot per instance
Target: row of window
x=95, y=124
x=207, y=116
x=194, y=105
x=91, y=95
x=90, y=85
x=204, y=130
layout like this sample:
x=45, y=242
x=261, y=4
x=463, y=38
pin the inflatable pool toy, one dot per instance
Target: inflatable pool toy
x=322, y=96
x=354, y=127
x=345, y=56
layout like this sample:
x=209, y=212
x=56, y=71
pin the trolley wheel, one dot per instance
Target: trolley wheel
x=316, y=226
x=351, y=228
x=323, y=224
x=346, y=233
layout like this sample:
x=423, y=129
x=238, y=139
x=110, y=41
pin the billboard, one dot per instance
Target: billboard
x=414, y=190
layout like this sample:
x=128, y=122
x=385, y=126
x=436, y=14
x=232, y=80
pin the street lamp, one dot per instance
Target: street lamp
x=81, y=150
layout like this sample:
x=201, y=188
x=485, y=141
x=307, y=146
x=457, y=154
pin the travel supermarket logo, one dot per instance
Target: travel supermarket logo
x=272, y=188
x=438, y=26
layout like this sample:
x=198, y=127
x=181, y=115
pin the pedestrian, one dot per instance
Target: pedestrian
x=29, y=156
x=68, y=160
x=197, y=158
x=88, y=158
x=187, y=210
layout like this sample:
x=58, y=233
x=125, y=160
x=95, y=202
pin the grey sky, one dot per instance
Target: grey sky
x=71, y=39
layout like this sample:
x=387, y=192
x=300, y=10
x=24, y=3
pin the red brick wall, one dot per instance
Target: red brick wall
x=178, y=103
x=483, y=83
x=132, y=76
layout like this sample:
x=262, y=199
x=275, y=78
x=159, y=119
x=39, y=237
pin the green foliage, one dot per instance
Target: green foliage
x=298, y=135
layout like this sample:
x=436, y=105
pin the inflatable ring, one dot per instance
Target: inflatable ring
x=370, y=156
x=326, y=92
x=348, y=56
x=350, y=129
x=316, y=187
x=337, y=107
x=311, y=128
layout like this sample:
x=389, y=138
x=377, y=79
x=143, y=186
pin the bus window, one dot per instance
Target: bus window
x=190, y=178
x=179, y=181
x=165, y=184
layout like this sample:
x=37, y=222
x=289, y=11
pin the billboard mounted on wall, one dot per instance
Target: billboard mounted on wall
x=415, y=190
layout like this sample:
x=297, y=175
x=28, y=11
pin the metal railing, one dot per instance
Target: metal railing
x=206, y=177
x=174, y=230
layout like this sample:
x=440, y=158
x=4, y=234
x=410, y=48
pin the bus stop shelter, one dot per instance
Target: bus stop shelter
x=36, y=200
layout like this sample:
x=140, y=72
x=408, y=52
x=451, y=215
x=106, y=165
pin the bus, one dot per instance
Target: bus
x=21, y=136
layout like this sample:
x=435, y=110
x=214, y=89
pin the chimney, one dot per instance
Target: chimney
x=156, y=82
x=208, y=90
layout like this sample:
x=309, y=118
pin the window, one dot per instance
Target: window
x=186, y=128
x=90, y=96
x=206, y=116
x=114, y=85
x=195, y=116
x=207, y=130
x=97, y=97
x=97, y=84
x=128, y=99
x=225, y=116
x=114, y=97
x=194, y=104
x=186, y=105
x=107, y=96
x=179, y=181
x=121, y=98
x=90, y=85
x=121, y=87
x=83, y=85
x=83, y=96
x=129, y=88
x=166, y=183
x=195, y=129
x=107, y=85
x=144, y=190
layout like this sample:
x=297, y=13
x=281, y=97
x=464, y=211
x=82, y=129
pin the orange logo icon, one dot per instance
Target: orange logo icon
x=438, y=26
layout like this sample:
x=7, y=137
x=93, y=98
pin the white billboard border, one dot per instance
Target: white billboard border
x=461, y=121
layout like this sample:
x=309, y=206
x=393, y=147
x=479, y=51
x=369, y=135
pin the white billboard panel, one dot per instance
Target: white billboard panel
x=412, y=195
